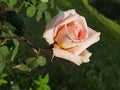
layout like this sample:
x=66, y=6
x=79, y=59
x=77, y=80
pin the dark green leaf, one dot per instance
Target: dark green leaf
x=2, y=81
x=52, y=4
x=2, y=63
x=39, y=15
x=4, y=52
x=47, y=16
x=45, y=79
x=31, y=62
x=31, y=11
x=39, y=88
x=46, y=87
x=15, y=50
x=16, y=20
x=42, y=81
x=42, y=6
x=5, y=1
x=2, y=75
x=34, y=2
x=44, y=1
x=3, y=34
x=12, y=2
x=22, y=67
x=15, y=87
x=41, y=60
x=37, y=82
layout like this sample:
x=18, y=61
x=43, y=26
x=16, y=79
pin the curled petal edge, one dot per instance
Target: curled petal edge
x=61, y=53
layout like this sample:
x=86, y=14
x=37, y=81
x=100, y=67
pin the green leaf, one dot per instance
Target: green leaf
x=34, y=2
x=45, y=79
x=42, y=6
x=16, y=20
x=12, y=2
x=2, y=81
x=15, y=50
x=2, y=63
x=4, y=34
x=39, y=15
x=42, y=81
x=44, y=1
x=31, y=11
x=23, y=67
x=52, y=4
x=4, y=52
x=44, y=87
x=41, y=60
x=15, y=87
x=37, y=82
x=2, y=75
x=47, y=16
x=39, y=88
x=5, y=1
x=31, y=62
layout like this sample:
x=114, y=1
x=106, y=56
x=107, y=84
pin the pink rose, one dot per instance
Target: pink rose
x=71, y=36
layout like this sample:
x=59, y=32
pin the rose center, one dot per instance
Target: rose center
x=81, y=34
x=75, y=31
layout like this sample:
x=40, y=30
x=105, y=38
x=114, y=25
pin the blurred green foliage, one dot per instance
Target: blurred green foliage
x=2, y=80
x=109, y=8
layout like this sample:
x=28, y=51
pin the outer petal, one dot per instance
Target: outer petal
x=86, y=54
x=93, y=37
x=49, y=31
x=48, y=35
x=60, y=16
x=71, y=57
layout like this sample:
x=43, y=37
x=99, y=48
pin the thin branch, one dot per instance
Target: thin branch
x=35, y=49
x=11, y=38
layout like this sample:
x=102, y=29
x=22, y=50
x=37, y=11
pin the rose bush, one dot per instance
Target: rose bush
x=71, y=36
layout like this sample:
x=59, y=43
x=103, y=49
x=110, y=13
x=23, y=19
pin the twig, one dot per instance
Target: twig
x=35, y=49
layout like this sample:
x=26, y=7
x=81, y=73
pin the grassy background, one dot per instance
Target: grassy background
x=109, y=8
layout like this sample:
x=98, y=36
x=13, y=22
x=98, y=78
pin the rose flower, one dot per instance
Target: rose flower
x=71, y=36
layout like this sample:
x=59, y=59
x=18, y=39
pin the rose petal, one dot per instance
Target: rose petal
x=63, y=40
x=92, y=38
x=69, y=19
x=48, y=34
x=86, y=54
x=81, y=22
x=59, y=16
x=71, y=57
